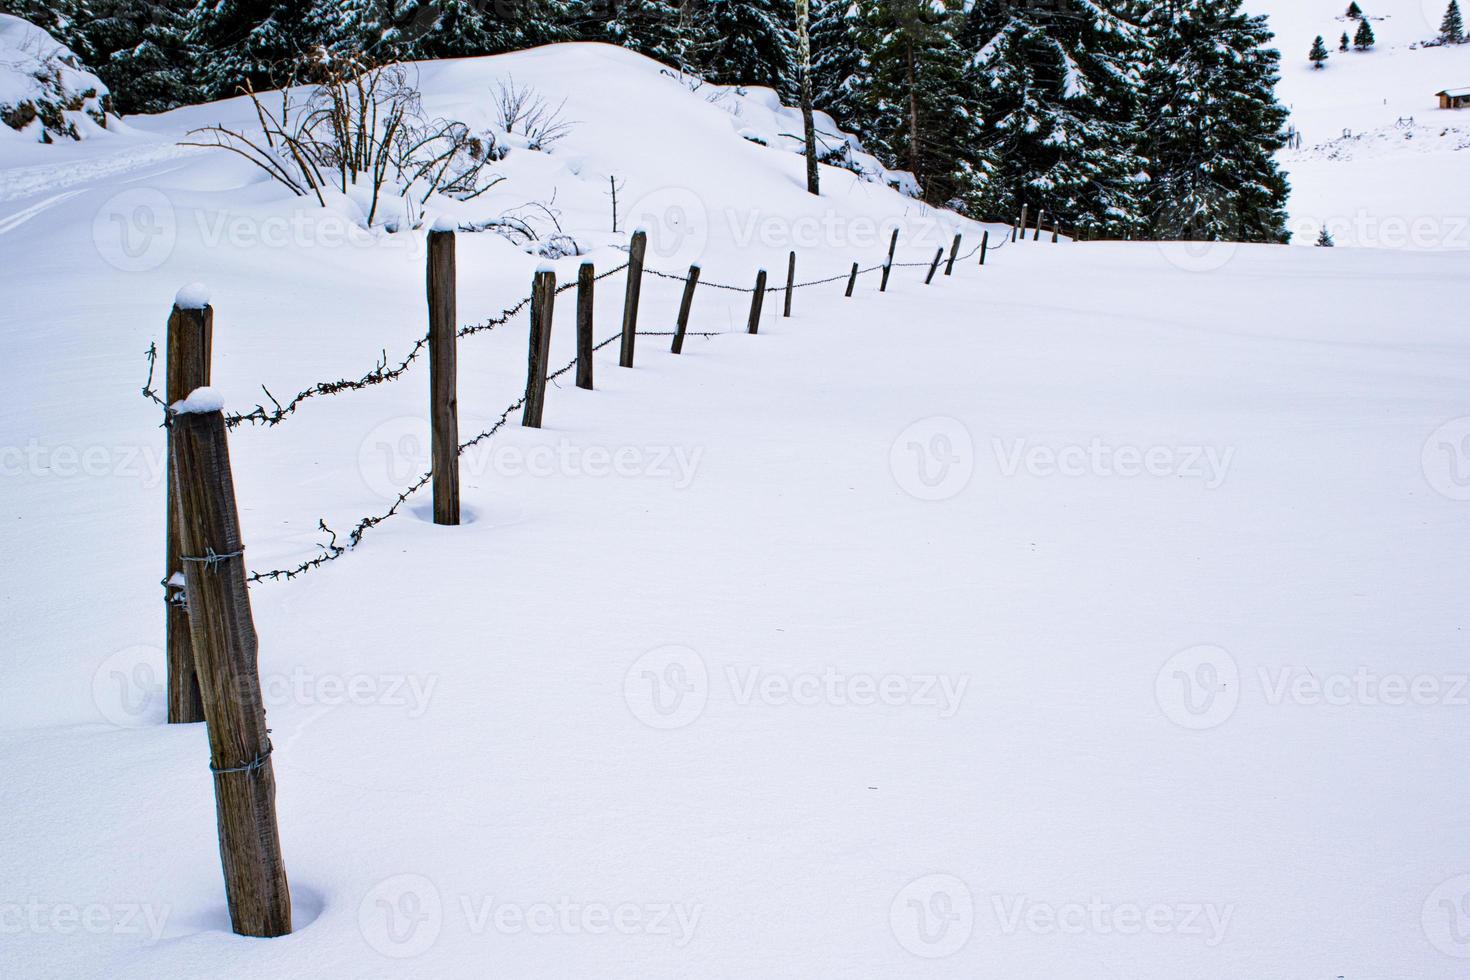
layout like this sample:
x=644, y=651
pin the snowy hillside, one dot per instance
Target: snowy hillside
x=1380, y=164
x=1095, y=613
x=45, y=93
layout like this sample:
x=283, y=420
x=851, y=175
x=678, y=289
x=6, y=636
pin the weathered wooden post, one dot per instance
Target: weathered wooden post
x=1025, y=214
x=757, y=302
x=1039, y=215
x=685, y=305
x=790, y=282
x=443, y=377
x=984, y=246
x=543, y=302
x=1056, y=234
x=190, y=338
x=630, y=300
x=888, y=265
x=934, y=266
x=1015, y=225
x=225, y=646
x=954, y=253
x=852, y=280
x=586, y=283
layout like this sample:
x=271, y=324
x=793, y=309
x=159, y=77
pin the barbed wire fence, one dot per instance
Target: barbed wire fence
x=335, y=546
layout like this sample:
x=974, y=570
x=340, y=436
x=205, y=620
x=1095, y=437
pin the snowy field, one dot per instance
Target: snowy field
x=1097, y=613
x=1381, y=165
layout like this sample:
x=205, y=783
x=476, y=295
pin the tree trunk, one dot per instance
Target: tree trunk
x=804, y=57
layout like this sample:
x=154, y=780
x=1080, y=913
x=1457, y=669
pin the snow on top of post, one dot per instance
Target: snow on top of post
x=200, y=400
x=445, y=222
x=545, y=267
x=194, y=296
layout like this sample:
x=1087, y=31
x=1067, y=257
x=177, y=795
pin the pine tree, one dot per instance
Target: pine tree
x=665, y=30
x=1452, y=30
x=1319, y=53
x=919, y=100
x=749, y=42
x=839, y=63
x=138, y=49
x=1058, y=83
x=1211, y=124
x=1364, y=39
x=262, y=42
x=1324, y=239
x=1345, y=43
x=1354, y=12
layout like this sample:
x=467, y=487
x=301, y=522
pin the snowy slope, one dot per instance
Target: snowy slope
x=966, y=631
x=1370, y=175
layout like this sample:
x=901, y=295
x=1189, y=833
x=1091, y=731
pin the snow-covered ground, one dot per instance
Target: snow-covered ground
x=1381, y=165
x=1097, y=613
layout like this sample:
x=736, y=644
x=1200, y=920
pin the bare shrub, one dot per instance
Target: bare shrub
x=360, y=126
x=540, y=122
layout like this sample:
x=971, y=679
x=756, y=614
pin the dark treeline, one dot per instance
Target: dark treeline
x=1151, y=119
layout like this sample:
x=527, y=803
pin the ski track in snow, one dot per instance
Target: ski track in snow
x=22, y=182
x=13, y=221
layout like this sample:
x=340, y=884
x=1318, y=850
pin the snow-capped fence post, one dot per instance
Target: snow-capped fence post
x=852, y=280
x=636, y=251
x=954, y=253
x=757, y=302
x=225, y=645
x=984, y=246
x=934, y=266
x=1039, y=216
x=586, y=283
x=190, y=335
x=790, y=282
x=443, y=377
x=685, y=305
x=543, y=304
x=1025, y=214
x=888, y=266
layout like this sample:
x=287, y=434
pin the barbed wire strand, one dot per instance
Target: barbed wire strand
x=331, y=550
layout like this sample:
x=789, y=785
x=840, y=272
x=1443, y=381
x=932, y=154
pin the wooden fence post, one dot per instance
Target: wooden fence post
x=934, y=267
x=888, y=266
x=1056, y=234
x=190, y=338
x=1025, y=213
x=225, y=645
x=630, y=300
x=852, y=280
x=790, y=282
x=1039, y=215
x=586, y=284
x=757, y=302
x=543, y=303
x=984, y=246
x=954, y=253
x=685, y=305
x=443, y=377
